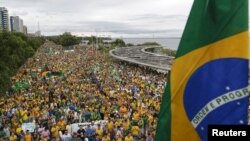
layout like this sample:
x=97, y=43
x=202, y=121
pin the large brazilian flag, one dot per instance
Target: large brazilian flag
x=209, y=77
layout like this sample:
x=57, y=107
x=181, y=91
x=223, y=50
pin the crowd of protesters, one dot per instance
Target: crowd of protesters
x=57, y=88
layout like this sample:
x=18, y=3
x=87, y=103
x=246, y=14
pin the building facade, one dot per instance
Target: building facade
x=20, y=25
x=4, y=19
x=15, y=24
x=25, y=30
x=38, y=33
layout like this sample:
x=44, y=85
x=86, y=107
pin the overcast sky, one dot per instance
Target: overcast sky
x=126, y=18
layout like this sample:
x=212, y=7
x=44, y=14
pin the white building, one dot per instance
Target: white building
x=4, y=19
x=16, y=24
x=38, y=33
x=20, y=25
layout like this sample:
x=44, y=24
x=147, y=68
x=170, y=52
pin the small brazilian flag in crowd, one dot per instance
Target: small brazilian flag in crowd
x=209, y=77
x=45, y=70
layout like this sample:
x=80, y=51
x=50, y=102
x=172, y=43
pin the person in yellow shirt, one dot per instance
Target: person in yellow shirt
x=126, y=124
x=119, y=138
x=123, y=110
x=55, y=131
x=150, y=119
x=62, y=124
x=119, y=102
x=13, y=137
x=99, y=132
x=135, y=130
x=14, y=122
x=136, y=116
x=133, y=105
x=24, y=115
x=110, y=125
x=150, y=101
x=18, y=130
x=118, y=123
x=27, y=136
x=157, y=106
x=32, y=113
x=105, y=138
x=129, y=137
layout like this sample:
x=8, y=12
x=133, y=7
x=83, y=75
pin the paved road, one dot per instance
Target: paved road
x=139, y=56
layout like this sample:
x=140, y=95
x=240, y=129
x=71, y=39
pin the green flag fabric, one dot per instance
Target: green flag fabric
x=209, y=77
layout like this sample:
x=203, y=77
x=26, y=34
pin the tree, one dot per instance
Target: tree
x=65, y=39
x=15, y=49
x=129, y=45
x=118, y=43
x=149, y=44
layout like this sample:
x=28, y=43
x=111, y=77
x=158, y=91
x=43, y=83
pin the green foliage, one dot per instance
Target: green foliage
x=149, y=44
x=103, y=49
x=92, y=40
x=129, y=45
x=169, y=52
x=15, y=48
x=65, y=39
x=101, y=43
x=55, y=39
x=35, y=42
x=118, y=43
x=68, y=40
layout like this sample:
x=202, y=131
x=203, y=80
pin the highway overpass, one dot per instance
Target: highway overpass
x=139, y=55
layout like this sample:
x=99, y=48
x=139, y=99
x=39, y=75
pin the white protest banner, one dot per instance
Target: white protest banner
x=75, y=126
x=28, y=126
